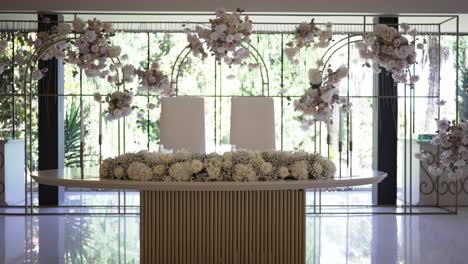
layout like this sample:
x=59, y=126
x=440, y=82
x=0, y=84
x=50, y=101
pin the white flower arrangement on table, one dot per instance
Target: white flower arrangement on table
x=119, y=104
x=388, y=48
x=452, y=138
x=231, y=166
x=224, y=37
x=320, y=98
x=307, y=33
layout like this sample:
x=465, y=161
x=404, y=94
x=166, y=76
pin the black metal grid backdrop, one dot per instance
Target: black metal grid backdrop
x=451, y=23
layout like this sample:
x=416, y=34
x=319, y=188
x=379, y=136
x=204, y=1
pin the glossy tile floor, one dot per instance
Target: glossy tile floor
x=330, y=239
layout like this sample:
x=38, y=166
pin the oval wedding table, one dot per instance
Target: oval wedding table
x=216, y=222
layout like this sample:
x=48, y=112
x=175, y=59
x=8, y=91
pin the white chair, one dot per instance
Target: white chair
x=182, y=123
x=253, y=123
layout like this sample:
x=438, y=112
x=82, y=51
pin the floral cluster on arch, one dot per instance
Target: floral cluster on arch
x=88, y=45
x=385, y=47
x=224, y=38
x=388, y=48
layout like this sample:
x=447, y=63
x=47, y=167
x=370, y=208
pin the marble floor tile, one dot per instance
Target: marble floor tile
x=380, y=239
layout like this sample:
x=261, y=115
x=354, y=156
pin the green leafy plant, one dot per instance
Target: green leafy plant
x=72, y=134
x=463, y=77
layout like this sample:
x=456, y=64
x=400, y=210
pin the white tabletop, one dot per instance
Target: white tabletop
x=72, y=178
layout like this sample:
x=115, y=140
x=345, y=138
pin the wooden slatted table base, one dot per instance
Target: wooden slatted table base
x=222, y=227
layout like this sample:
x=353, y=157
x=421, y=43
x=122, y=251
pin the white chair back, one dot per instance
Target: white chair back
x=253, y=123
x=182, y=123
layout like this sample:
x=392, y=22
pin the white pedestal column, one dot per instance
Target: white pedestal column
x=12, y=172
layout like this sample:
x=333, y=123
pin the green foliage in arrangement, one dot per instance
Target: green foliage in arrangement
x=463, y=77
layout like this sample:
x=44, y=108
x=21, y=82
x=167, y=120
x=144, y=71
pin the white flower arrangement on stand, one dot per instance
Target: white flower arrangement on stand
x=320, y=98
x=231, y=166
x=308, y=34
x=388, y=48
x=224, y=38
x=452, y=138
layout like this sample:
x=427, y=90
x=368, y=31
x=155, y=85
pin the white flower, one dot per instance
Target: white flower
x=221, y=28
x=317, y=167
x=119, y=172
x=90, y=35
x=181, y=171
x=434, y=171
x=291, y=53
x=220, y=12
x=342, y=72
x=229, y=38
x=37, y=75
x=114, y=51
x=227, y=160
x=214, y=35
x=443, y=124
x=104, y=168
x=266, y=167
x=128, y=70
x=315, y=76
x=327, y=95
x=107, y=27
x=213, y=168
x=167, y=158
x=283, y=172
x=183, y=155
x=78, y=24
x=159, y=170
x=329, y=168
x=139, y=171
x=244, y=172
x=63, y=28
x=300, y=170
x=460, y=163
x=196, y=166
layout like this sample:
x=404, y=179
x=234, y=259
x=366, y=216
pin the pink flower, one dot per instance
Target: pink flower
x=436, y=141
x=78, y=24
x=414, y=78
x=419, y=156
x=443, y=124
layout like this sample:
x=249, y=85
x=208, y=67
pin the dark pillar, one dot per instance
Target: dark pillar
x=50, y=125
x=387, y=136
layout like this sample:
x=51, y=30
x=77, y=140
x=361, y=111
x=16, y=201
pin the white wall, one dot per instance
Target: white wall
x=372, y=6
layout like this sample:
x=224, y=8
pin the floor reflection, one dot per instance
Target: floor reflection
x=330, y=239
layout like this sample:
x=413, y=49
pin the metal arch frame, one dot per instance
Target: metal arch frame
x=182, y=56
x=407, y=132
x=28, y=94
x=453, y=18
